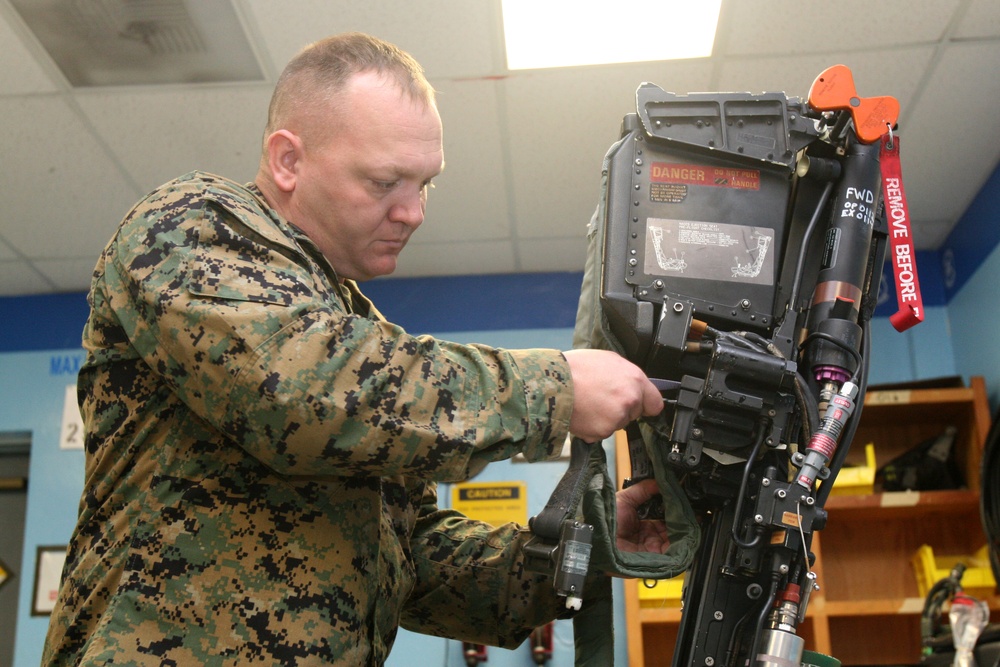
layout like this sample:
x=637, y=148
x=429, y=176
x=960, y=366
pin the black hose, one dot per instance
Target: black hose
x=801, y=263
x=744, y=482
x=759, y=630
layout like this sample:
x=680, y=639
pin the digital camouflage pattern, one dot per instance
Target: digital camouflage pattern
x=262, y=451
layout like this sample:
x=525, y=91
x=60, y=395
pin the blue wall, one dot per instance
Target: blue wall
x=32, y=394
x=970, y=267
x=975, y=324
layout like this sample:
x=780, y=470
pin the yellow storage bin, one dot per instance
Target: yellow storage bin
x=977, y=581
x=660, y=592
x=857, y=480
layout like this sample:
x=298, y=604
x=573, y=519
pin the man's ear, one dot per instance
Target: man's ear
x=284, y=150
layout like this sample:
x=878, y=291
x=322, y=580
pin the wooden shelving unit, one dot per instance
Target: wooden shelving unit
x=867, y=611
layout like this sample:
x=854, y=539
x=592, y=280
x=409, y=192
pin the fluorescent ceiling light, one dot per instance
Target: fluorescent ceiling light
x=565, y=33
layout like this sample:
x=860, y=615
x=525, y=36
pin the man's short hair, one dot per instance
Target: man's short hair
x=322, y=69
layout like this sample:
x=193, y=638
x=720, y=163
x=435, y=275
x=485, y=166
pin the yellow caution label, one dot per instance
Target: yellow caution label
x=493, y=502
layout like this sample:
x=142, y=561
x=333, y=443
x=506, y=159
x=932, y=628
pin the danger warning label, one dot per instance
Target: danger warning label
x=696, y=174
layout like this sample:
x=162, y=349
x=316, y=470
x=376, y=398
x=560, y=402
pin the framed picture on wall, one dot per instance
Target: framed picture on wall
x=48, y=573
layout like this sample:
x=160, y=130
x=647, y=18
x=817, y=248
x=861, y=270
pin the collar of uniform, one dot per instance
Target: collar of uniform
x=348, y=290
x=248, y=205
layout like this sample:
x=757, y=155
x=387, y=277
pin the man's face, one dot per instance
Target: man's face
x=361, y=192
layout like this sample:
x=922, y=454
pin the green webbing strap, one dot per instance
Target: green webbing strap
x=593, y=625
x=599, y=510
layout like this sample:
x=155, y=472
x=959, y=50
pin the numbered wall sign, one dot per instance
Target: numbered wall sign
x=71, y=436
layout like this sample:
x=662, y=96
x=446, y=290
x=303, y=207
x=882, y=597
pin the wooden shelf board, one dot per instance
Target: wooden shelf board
x=902, y=503
x=892, y=607
x=914, y=397
x=659, y=614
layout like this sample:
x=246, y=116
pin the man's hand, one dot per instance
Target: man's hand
x=633, y=534
x=608, y=392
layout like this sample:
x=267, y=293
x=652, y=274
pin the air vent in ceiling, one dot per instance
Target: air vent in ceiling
x=135, y=42
x=164, y=26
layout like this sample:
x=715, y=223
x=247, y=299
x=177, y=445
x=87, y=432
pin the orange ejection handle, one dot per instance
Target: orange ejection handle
x=834, y=90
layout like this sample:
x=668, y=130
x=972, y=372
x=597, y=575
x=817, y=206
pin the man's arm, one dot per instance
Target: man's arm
x=247, y=333
x=471, y=583
x=471, y=580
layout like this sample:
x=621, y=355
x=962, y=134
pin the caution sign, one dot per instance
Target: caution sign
x=493, y=502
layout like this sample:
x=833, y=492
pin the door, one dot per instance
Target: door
x=13, y=505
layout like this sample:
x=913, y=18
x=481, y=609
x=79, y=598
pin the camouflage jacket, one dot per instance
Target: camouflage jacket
x=262, y=450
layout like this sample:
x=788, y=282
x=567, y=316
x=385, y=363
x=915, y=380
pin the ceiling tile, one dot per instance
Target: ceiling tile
x=21, y=73
x=70, y=194
x=449, y=38
x=214, y=129
x=544, y=255
x=793, y=27
x=928, y=235
x=19, y=278
x=6, y=252
x=981, y=19
x=560, y=124
x=949, y=148
x=469, y=199
x=68, y=275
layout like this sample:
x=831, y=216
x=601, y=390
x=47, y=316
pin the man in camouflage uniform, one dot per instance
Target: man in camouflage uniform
x=262, y=447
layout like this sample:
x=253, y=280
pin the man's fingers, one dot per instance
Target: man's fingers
x=652, y=400
x=609, y=392
x=640, y=492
